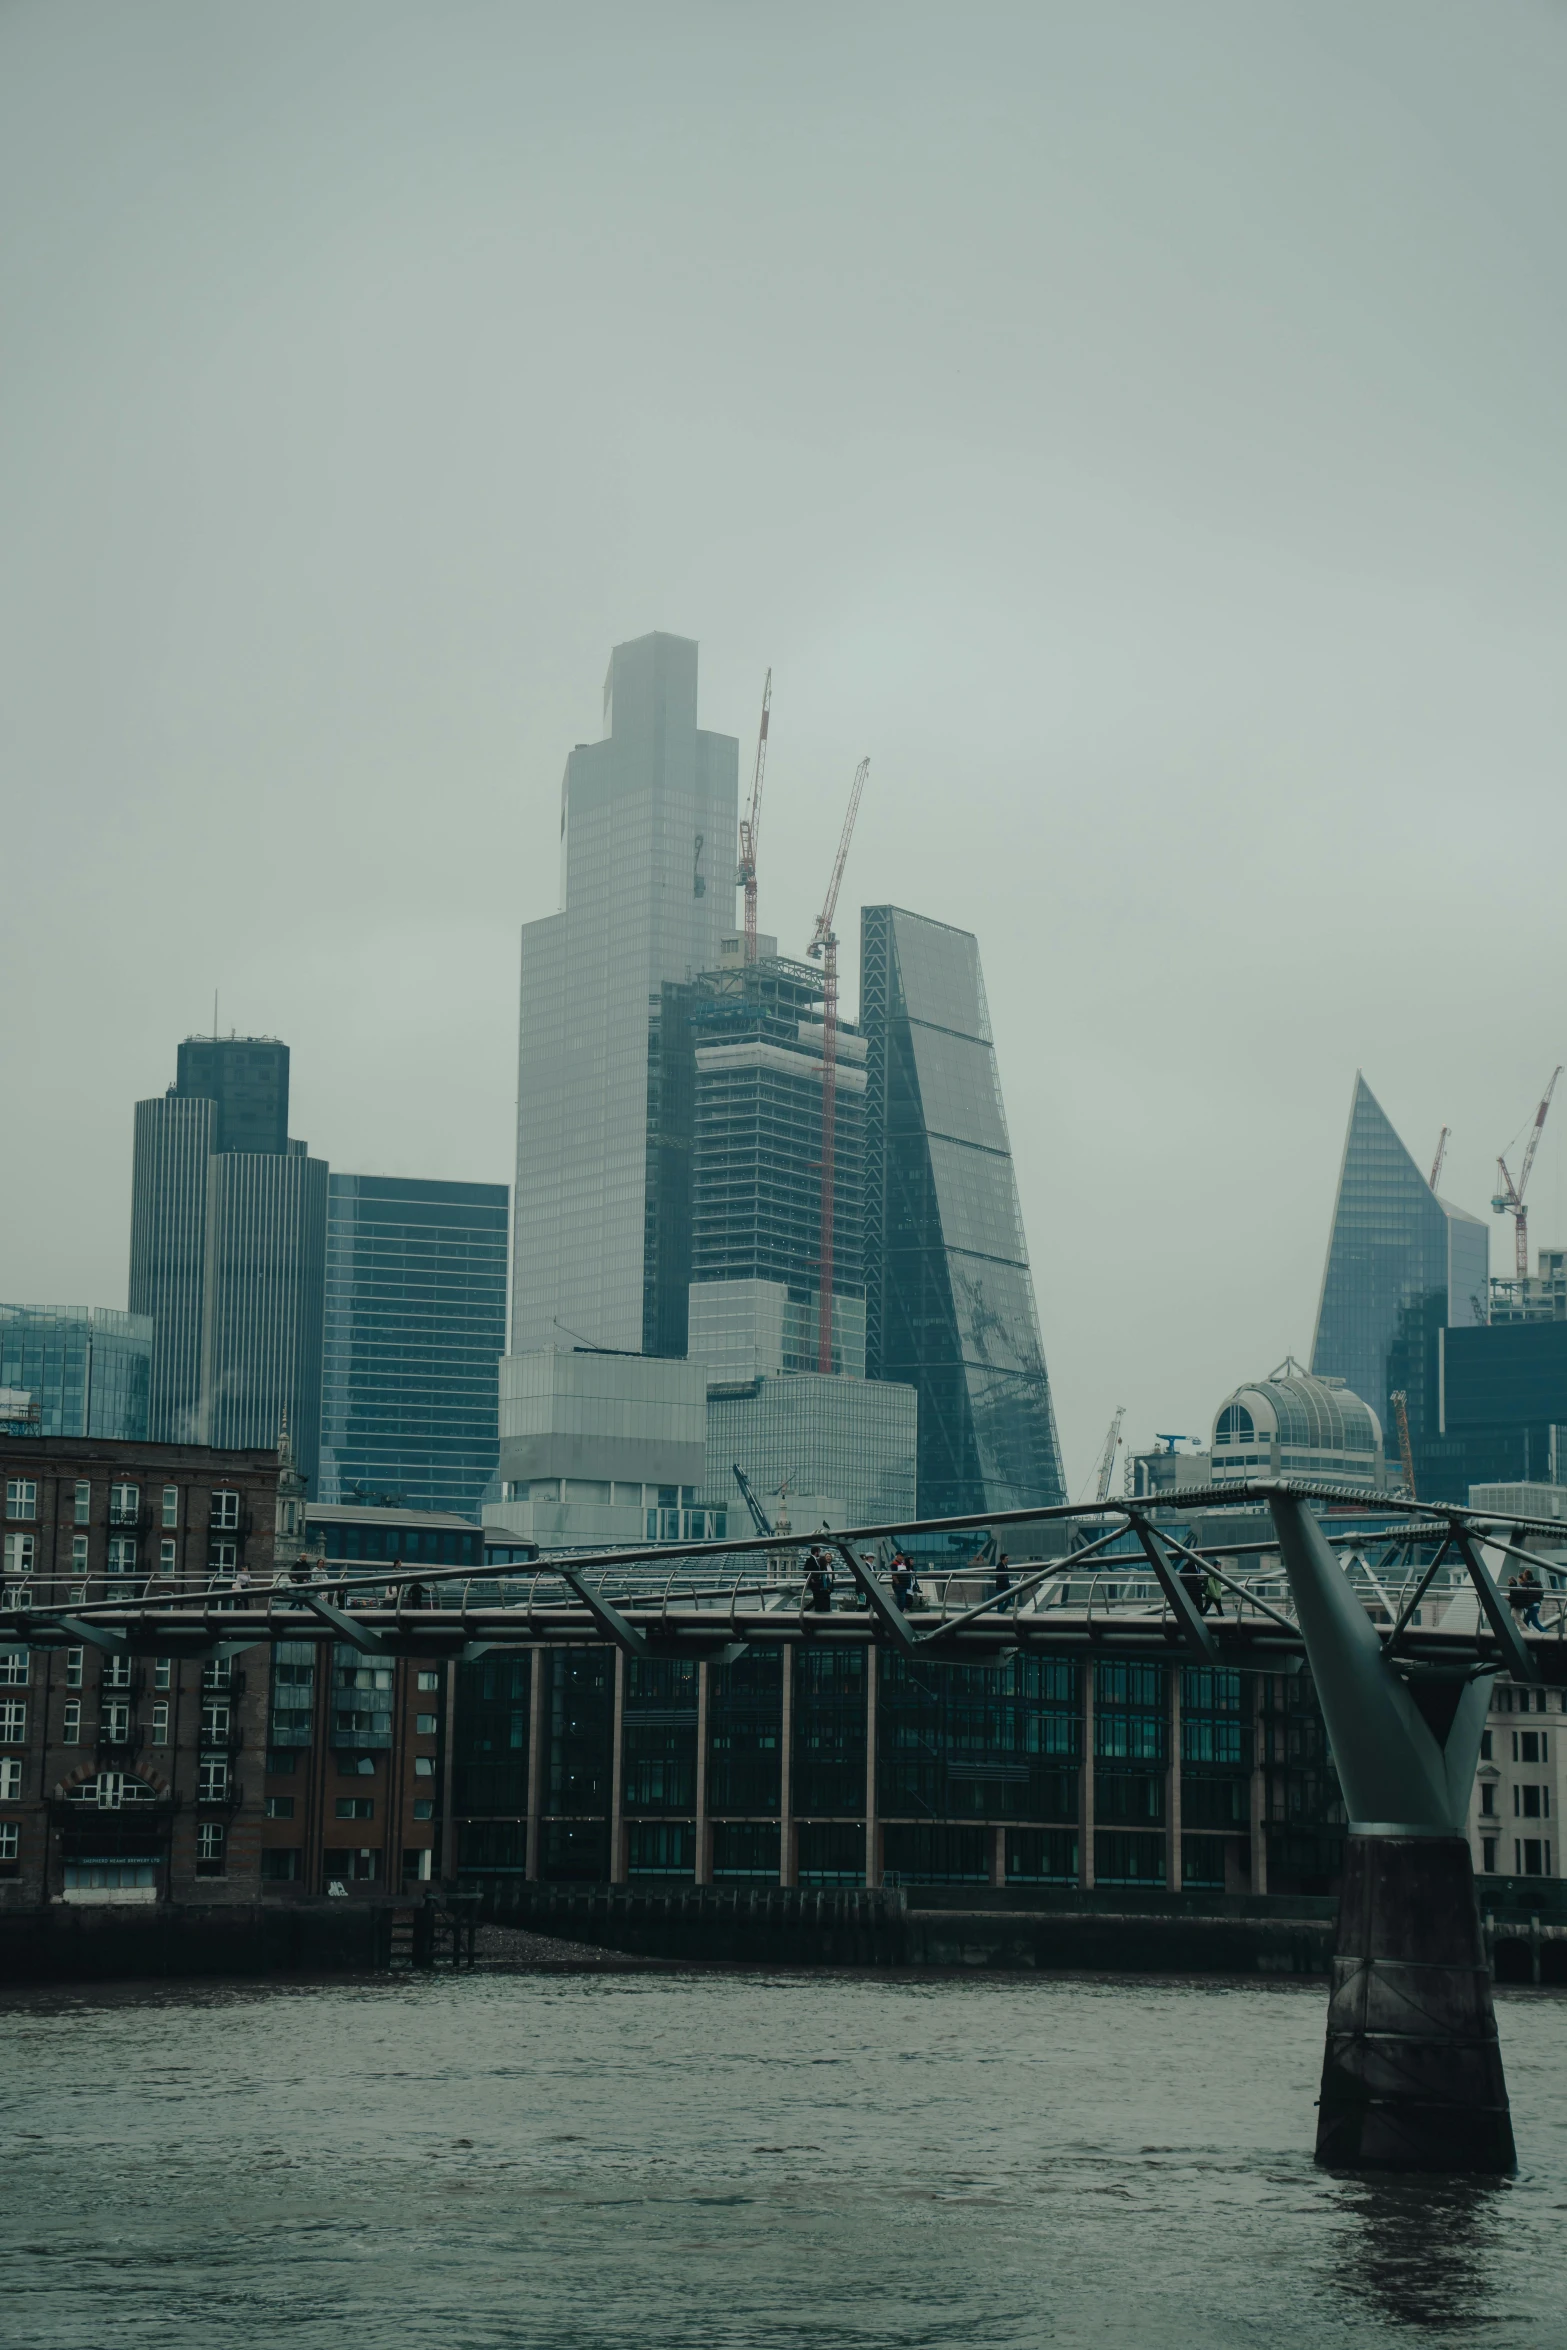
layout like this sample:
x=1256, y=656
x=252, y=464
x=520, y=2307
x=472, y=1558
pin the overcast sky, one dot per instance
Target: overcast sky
x=1140, y=427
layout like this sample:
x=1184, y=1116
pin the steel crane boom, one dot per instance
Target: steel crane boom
x=751, y=825
x=1509, y=1195
x=824, y=949
x=1441, y=1153
x=1107, y=1457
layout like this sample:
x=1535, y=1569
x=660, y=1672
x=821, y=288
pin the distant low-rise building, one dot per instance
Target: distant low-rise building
x=1294, y=1424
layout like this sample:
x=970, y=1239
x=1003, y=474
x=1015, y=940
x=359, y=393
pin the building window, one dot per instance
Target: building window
x=160, y=1724
x=424, y=1809
x=171, y=1505
x=124, y=1504
x=225, y=1512
x=354, y=1807
x=20, y=1551
x=216, y=1717
x=424, y=1725
x=73, y=1667
x=78, y=1554
x=280, y=1865
x=10, y=1780
x=168, y=1556
x=364, y=1865
x=116, y=1672
x=71, y=1721
x=424, y=1766
x=162, y=1672
x=1488, y=1801
x=211, y=1837
x=13, y=1721
x=122, y=1554
x=224, y=1557
x=212, y=1779
x=115, y=1726
x=427, y=1681
x=10, y=1845
x=1488, y=1855
x=21, y=1497
x=13, y=1668
x=1485, y=1746
x=83, y=1502
x=280, y=1807
x=416, y=1864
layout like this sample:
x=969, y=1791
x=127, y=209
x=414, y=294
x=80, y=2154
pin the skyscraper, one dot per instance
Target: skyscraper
x=1401, y=1265
x=737, y=1112
x=949, y=1296
x=415, y=1328
x=228, y=1252
x=649, y=819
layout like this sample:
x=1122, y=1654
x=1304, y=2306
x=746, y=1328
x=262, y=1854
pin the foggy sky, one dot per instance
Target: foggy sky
x=1140, y=428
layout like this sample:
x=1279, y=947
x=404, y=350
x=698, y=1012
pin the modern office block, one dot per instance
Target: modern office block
x=173, y=1150
x=597, y=1449
x=1402, y=1265
x=843, y=1450
x=228, y=1252
x=85, y=1370
x=415, y=1326
x=649, y=819
x=950, y=1304
x=262, y=1300
x=1502, y=1396
x=736, y=1080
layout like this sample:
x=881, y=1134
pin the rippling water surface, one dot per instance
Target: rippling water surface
x=568, y=2162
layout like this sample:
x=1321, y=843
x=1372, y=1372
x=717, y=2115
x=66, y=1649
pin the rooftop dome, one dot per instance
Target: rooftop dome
x=1292, y=1424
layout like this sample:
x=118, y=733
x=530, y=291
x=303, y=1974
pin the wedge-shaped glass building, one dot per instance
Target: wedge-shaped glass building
x=1402, y=1266
x=949, y=1297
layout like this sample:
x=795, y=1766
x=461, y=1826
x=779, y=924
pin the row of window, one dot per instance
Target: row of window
x=21, y=1503
x=1529, y=1803
x=122, y=1556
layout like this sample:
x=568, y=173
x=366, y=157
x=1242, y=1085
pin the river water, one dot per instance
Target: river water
x=737, y=2162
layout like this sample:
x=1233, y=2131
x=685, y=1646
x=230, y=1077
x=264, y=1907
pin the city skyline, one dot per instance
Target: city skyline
x=1201, y=613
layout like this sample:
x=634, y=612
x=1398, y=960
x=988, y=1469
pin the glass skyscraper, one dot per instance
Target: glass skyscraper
x=228, y=1252
x=1402, y=1265
x=649, y=825
x=87, y=1369
x=415, y=1328
x=949, y=1297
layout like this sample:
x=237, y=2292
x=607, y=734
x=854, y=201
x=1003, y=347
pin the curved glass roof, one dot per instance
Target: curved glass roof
x=1309, y=1415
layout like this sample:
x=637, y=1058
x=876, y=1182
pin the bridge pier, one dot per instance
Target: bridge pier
x=1412, y=2073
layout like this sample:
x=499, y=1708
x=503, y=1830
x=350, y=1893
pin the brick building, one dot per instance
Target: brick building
x=275, y=1772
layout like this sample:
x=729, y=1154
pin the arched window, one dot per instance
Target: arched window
x=1234, y=1425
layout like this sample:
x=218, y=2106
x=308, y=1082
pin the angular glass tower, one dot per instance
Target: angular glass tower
x=415, y=1329
x=949, y=1297
x=649, y=825
x=1402, y=1265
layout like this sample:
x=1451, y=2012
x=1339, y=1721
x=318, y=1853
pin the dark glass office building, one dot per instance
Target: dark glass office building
x=949, y=1298
x=228, y=1252
x=1402, y=1266
x=415, y=1328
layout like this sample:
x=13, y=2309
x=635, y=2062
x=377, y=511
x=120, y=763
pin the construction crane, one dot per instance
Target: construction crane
x=824, y=949
x=1107, y=1457
x=1441, y=1153
x=751, y=825
x=759, y=1518
x=1509, y=1195
x=1406, y=1451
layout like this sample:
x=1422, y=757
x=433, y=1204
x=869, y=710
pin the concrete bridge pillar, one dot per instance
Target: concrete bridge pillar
x=1412, y=2073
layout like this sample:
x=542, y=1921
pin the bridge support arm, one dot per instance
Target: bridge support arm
x=1411, y=2072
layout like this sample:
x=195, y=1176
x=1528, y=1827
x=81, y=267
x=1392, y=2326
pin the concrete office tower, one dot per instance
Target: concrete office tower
x=949, y=1297
x=649, y=821
x=228, y=1252
x=739, y=1088
x=415, y=1328
x=1401, y=1266
x=85, y=1370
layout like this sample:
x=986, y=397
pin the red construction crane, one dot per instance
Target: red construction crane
x=1441, y=1153
x=824, y=949
x=751, y=825
x=1509, y=1195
